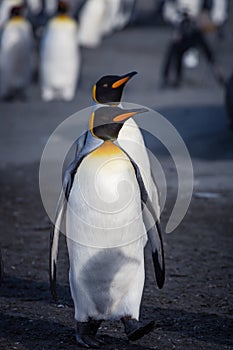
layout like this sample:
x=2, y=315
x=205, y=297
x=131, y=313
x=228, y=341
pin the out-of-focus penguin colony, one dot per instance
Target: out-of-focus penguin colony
x=41, y=39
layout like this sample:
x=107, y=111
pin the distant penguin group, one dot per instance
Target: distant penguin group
x=108, y=202
x=59, y=58
x=52, y=43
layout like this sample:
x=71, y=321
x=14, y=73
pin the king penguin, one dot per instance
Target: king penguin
x=91, y=23
x=60, y=57
x=16, y=56
x=5, y=10
x=107, y=208
x=107, y=91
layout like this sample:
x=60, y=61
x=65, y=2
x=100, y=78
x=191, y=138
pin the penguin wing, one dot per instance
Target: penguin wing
x=60, y=211
x=56, y=226
x=80, y=143
x=153, y=228
x=85, y=144
x=155, y=195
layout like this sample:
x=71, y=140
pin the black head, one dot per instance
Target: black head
x=110, y=87
x=106, y=122
x=62, y=7
x=16, y=11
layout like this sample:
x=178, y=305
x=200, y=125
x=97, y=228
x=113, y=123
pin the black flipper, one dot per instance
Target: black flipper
x=80, y=143
x=85, y=145
x=153, y=228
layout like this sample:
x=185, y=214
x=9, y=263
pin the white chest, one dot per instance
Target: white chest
x=104, y=203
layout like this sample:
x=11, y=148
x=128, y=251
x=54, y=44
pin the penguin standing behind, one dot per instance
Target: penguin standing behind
x=107, y=208
x=60, y=57
x=16, y=56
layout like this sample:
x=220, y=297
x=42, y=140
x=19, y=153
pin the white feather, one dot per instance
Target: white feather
x=131, y=140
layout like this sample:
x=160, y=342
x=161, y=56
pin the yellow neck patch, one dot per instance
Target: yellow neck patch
x=17, y=19
x=94, y=94
x=63, y=18
x=91, y=124
x=108, y=148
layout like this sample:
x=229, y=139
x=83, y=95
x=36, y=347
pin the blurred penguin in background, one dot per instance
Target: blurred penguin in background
x=117, y=15
x=48, y=6
x=91, y=23
x=60, y=57
x=16, y=56
x=35, y=6
x=5, y=10
x=99, y=18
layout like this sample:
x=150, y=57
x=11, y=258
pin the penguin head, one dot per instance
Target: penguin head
x=106, y=122
x=109, y=88
x=16, y=11
x=62, y=7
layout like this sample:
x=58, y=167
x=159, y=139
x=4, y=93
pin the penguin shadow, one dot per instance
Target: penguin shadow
x=113, y=343
x=31, y=333
x=45, y=330
x=47, y=335
x=98, y=274
x=30, y=290
x=205, y=327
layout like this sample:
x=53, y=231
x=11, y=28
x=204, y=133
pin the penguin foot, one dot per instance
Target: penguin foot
x=86, y=334
x=135, y=329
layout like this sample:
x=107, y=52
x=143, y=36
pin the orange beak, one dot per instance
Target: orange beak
x=120, y=82
x=122, y=117
x=123, y=80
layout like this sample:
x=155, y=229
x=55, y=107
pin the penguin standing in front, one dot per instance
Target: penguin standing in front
x=60, y=57
x=107, y=210
x=16, y=56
